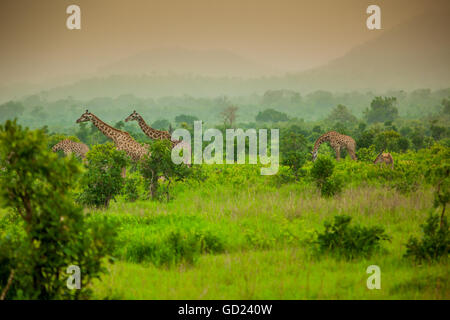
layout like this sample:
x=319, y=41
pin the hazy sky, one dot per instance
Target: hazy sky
x=289, y=35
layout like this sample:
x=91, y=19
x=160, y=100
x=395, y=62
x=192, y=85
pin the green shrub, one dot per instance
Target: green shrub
x=445, y=142
x=331, y=186
x=366, y=154
x=159, y=164
x=46, y=232
x=293, y=151
x=103, y=179
x=284, y=175
x=406, y=184
x=167, y=240
x=435, y=242
x=322, y=172
x=130, y=189
x=438, y=174
x=322, y=168
x=345, y=241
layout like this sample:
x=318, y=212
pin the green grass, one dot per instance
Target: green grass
x=240, y=235
x=273, y=274
x=252, y=241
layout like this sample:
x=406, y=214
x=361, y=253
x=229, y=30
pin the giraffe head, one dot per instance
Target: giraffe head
x=56, y=147
x=87, y=116
x=134, y=116
x=314, y=154
x=379, y=157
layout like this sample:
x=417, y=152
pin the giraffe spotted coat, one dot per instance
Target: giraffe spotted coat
x=69, y=146
x=122, y=140
x=337, y=141
x=385, y=158
x=158, y=134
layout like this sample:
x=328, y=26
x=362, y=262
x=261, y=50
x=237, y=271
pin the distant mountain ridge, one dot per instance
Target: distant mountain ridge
x=414, y=54
x=215, y=63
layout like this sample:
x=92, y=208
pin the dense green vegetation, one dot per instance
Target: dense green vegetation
x=102, y=180
x=226, y=231
x=239, y=235
x=36, y=110
x=44, y=232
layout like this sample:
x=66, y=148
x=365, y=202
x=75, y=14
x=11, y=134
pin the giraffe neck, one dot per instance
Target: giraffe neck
x=106, y=129
x=122, y=140
x=379, y=156
x=150, y=132
x=323, y=138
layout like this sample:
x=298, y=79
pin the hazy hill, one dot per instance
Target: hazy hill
x=159, y=72
x=414, y=54
x=184, y=61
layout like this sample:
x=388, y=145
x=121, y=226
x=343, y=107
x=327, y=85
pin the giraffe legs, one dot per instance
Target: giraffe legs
x=337, y=149
x=352, y=153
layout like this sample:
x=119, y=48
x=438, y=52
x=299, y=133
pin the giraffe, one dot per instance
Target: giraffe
x=69, y=146
x=385, y=158
x=122, y=140
x=156, y=134
x=149, y=131
x=337, y=141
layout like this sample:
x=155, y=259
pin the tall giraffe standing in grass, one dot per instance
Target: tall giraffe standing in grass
x=156, y=134
x=337, y=141
x=122, y=140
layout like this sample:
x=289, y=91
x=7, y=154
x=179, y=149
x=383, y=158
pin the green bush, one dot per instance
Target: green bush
x=322, y=169
x=103, y=179
x=405, y=178
x=392, y=141
x=284, y=175
x=167, y=240
x=331, y=186
x=438, y=174
x=435, y=242
x=13, y=246
x=46, y=232
x=159, y=164
x=345, y=241
x=130, y=188
x=322, y=172
x=293, y=151
x=367, y=154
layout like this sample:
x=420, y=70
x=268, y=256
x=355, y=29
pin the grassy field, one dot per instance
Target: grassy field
x=255, y=243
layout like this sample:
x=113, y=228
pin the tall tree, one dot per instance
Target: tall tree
x=382, y=109
x=271, y=115
x=229, y=115
x=343, y=115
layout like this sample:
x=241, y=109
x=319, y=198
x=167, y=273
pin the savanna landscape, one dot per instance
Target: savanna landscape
x=362, y=182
